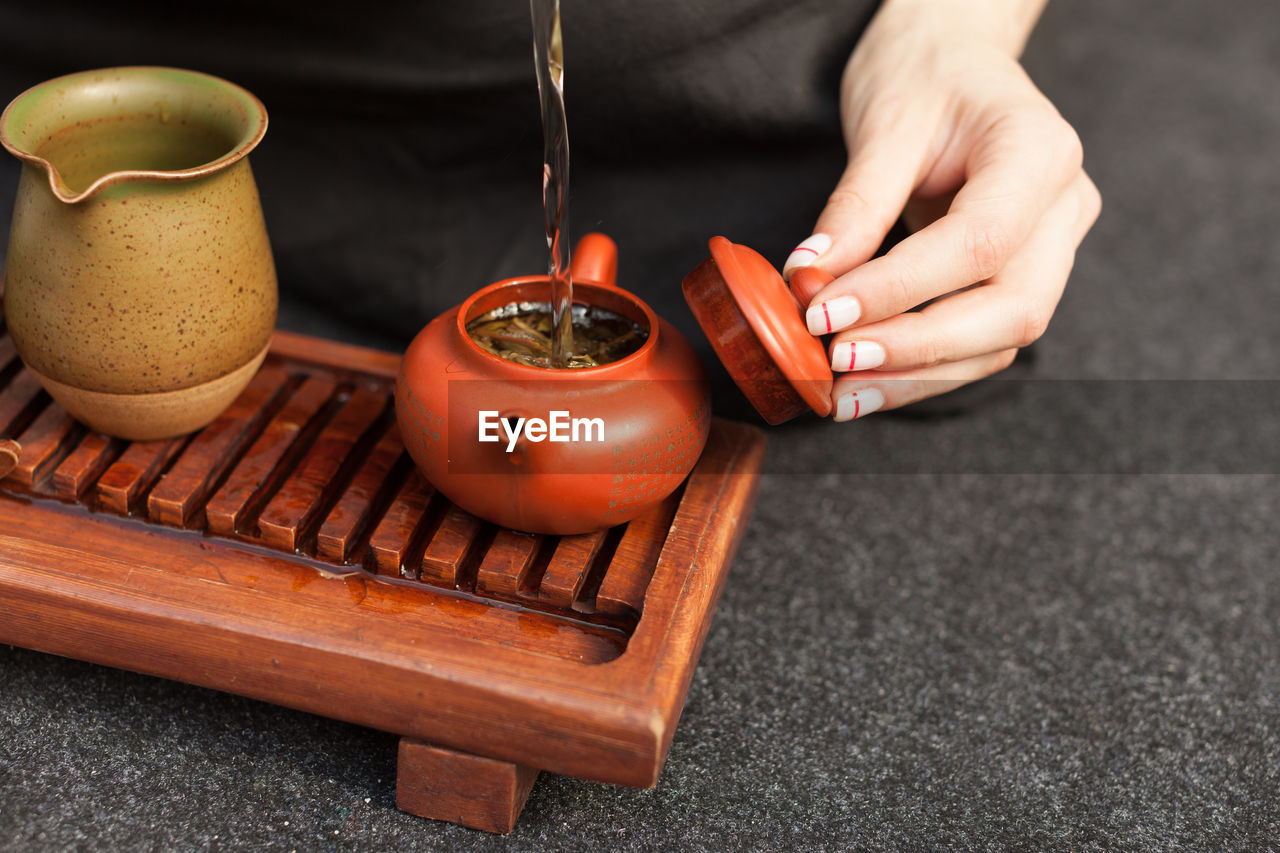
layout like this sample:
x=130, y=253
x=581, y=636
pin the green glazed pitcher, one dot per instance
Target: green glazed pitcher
x=140, y=287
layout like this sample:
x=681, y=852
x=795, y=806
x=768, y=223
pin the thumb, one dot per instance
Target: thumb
x=866, y=202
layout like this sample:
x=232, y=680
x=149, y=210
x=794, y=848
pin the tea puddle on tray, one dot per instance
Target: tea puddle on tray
x=548, y=59
x=521, y=332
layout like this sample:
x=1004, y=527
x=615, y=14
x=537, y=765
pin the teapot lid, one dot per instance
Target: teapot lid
x=757, y=329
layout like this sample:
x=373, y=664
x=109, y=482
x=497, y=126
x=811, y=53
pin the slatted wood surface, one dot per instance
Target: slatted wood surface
x=291, y=552
x=308, y=461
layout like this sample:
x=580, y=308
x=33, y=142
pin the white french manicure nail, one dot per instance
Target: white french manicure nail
x=858, y=403
x=806, y=253
x=832, y=315
x=856, y=355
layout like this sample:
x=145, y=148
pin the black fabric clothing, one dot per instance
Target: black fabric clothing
x=401, y=169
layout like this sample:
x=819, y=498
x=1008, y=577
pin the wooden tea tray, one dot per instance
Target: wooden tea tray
x=290, y=552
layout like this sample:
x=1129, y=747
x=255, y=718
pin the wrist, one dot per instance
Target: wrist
x=1002, y=24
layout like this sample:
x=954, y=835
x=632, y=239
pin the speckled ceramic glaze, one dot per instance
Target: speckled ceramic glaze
x=138, y=262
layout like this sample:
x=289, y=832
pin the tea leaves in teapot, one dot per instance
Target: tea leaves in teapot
x=521, y=333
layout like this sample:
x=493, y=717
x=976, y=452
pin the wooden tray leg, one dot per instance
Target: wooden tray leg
x=480, y=793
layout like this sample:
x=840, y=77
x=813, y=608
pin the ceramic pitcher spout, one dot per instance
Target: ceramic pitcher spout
x=94, y=130
x=65, y=194
x=59, y=187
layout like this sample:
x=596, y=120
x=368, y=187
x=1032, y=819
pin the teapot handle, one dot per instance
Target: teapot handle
x=595, y=259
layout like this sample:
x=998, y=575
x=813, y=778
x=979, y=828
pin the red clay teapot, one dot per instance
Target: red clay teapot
x=558, y=451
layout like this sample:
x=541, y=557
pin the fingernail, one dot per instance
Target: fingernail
x=806, y=253
x=858, y=403
x=832, y=315
x=856, y=355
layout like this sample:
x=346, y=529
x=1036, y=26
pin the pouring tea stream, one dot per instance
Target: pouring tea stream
x=548, y=60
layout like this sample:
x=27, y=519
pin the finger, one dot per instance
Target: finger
x=1015, y=172
x=1012, y=310
x=885, y=161
x=859, y=394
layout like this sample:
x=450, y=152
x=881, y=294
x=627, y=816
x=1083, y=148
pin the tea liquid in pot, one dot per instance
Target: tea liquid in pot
x=521, y=332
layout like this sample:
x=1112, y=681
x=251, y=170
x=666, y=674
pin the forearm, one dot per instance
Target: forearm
x=1005, y=24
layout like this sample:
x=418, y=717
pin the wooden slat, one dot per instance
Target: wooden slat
x=175, y=498
x=85, y=463
x=570, y=562
x=506, y=562
x=284, y=520
x=126, y=479
x=226, y=509
x=15, y=398
x=42, y=444
x=449, y=547
x=390, y=540
x=625, y=581
x=350, y=515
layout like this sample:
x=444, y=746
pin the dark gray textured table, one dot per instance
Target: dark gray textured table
x=968, y=632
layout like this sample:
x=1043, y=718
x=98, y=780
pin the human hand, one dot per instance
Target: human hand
x=943, y=126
